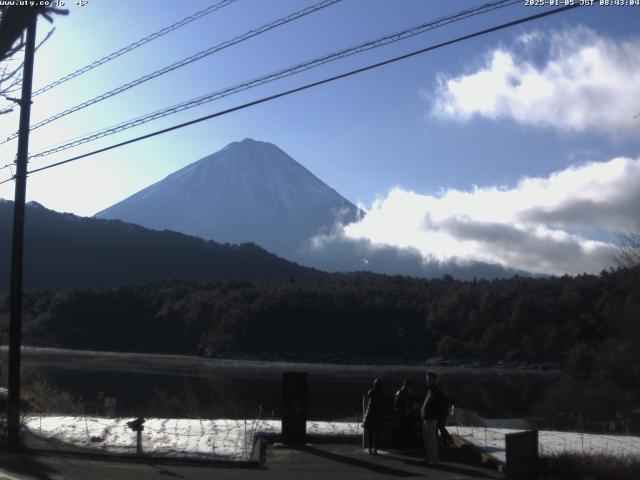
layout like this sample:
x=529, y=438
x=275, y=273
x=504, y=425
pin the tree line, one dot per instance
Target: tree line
x=352, y=317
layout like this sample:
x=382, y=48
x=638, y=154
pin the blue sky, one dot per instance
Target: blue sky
x=465, y=152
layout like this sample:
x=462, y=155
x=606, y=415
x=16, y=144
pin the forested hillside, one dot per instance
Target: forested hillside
x=63, y=250
x=355, y=317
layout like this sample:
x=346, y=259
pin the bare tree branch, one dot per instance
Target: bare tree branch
x=12, y=73
x=628, y=249
x=45, y=38
x=7, y=76
x=16, y=48
x=12, y=24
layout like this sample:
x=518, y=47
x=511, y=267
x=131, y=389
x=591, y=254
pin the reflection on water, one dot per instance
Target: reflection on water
x=172, y=386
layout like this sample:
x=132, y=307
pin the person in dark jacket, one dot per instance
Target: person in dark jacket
x=374, y=416
x=402, y=409
x=445, y=436
x=432, y=407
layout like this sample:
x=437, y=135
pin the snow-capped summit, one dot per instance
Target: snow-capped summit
x=249, y=191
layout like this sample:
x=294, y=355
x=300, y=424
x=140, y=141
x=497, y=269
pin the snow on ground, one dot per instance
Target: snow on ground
x=491, y=441
x=233, y=439
x=163, y=437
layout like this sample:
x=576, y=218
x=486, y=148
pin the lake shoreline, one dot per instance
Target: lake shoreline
x=326, y=363
x=189, y=386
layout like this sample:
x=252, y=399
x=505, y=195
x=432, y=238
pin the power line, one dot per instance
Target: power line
x=289, y=71
x=181, y=63
x=136, y=44
x=308, y=86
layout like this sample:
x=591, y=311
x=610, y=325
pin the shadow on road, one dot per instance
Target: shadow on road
x=453, y=461
x=374, y=467
x=26, y=465
x=168, y=473
x=450, y=468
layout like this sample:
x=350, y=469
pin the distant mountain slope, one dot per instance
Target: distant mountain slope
x=249, y=191
x=64, y=250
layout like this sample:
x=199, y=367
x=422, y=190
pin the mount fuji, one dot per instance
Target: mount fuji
x=249, y=191
x=252, y=191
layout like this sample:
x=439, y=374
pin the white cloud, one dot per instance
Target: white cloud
x=586, y=83
x=533, y=226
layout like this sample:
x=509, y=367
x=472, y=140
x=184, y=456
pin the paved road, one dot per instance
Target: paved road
x=323, y=461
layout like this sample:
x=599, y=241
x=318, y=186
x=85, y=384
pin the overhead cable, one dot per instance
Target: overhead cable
x=308, y=86
x=181, y=63
x=289, y=71
x=134, y=45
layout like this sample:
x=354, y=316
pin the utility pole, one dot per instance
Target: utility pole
x=15, y=309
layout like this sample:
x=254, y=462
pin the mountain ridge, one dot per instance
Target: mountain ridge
x=62, y=250
x=249, y=191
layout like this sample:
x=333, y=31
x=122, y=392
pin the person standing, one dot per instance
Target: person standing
x=402, y=409
x=430, y=412
x=374, y=416
x=445, y=436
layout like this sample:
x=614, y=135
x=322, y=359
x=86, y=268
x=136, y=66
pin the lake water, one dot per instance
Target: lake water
x=180, y=386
